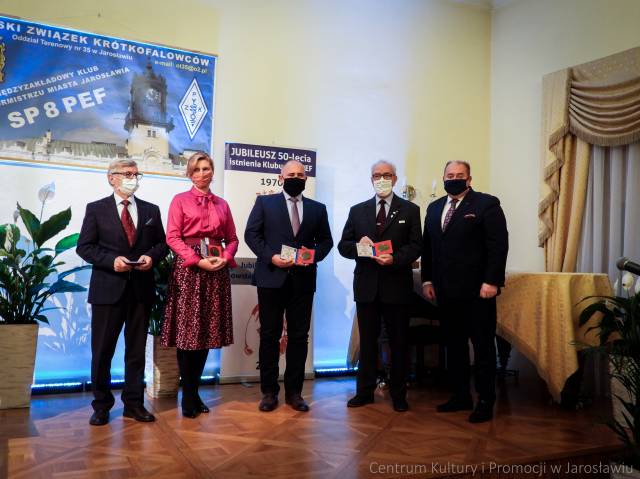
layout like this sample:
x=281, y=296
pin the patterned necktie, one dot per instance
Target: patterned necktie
x=381, y=219
x=127, y=223
x=295, y=217
x=449, y=214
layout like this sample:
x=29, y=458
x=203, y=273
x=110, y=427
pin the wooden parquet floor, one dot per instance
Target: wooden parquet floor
x=53, y=439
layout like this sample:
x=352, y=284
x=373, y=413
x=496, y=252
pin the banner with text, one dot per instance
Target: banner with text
x=70, y=103
x=252, y=170
x=74, y=98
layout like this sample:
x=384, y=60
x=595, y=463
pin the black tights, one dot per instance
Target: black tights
x=191, y=364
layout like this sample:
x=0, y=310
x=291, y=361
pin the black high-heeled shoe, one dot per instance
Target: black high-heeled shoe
x=190, y=413
x=202, y=407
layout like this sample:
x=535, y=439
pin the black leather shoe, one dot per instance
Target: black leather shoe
x=99, y=418
x=455, y=404
x=190, y=413
x=400, y=405
x=268, y=402
x=139, y=413
x=297, y=402
x=202, y=407
x=482, y=413
x=359, y=401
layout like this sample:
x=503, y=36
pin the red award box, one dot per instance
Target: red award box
x=383, y=247
x=208, y=250
x=305, y=256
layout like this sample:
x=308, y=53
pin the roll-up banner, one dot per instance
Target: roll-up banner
x=252, y=170
x=70, y=103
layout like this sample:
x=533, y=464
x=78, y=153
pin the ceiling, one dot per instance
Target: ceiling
x=486, y=4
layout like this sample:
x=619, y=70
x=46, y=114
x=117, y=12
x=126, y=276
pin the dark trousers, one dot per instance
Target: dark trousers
x=475, y=319
x=296, y=303
x=396, y=323
x=106, y=323
x=191, y=364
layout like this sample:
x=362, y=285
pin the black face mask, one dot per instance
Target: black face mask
x=455, y=187
x=294, y=186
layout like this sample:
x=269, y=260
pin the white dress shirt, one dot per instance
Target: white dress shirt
x=387, y=204
x=133, y=209
x=447, y=207
x=291, y=203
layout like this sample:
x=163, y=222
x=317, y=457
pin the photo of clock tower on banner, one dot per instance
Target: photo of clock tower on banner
x=250, y=171
x=80, y=100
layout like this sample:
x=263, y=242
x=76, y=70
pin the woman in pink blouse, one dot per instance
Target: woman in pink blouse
x=201, y=232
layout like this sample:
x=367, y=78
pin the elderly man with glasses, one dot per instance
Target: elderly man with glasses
x=123, y=238
x=383, y=281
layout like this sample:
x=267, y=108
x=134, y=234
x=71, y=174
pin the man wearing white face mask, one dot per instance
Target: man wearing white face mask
x=123, y=238
x=383, y=285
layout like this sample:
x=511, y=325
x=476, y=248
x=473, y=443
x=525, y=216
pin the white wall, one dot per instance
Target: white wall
x=529, y=39
x=358, y=80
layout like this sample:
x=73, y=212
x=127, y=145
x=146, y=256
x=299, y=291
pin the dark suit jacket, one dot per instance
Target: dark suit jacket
x=471, y=251
x=102, y=239
x=394, y=283
x=269, y=227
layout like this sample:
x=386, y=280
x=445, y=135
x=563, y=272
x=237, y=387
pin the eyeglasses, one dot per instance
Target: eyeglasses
x=128, y=174
x=386, y=176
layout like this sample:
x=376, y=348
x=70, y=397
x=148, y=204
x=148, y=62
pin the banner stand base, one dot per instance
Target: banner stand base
x=255, y=379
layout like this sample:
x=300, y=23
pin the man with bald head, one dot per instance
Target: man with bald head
x=463, y=267
x=289, y=219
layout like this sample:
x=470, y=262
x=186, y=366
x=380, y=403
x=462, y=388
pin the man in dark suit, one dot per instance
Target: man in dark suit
x=383, y=285
x=463, y=267
x=123, y=238
x=289, y=219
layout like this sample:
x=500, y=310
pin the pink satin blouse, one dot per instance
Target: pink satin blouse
x=194, y=215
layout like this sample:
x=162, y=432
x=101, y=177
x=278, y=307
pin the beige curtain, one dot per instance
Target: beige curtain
x=597, y=103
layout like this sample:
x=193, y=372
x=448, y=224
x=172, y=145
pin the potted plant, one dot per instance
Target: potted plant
x=161, y=366
x=26, y=271
x=617, y=323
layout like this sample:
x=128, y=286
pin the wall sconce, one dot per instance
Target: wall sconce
x=408, y=192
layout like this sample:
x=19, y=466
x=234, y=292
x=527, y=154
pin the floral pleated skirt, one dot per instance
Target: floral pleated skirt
x=198, y=311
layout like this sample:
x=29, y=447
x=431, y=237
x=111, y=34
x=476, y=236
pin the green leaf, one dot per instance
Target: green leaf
x=74, y=270
x=24, y=288
x=3, y=236
x=45, y=261
x=54, y=225
x=62, y=286
x=38, y=251
x=67, y=242
x=598, y=307
x=31, y=223
x=51, y=308
x=12, y=230
x=36, y=288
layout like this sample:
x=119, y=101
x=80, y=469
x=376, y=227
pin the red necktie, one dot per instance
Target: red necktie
x=381, y=219
x=127, y=223
x=449, y=214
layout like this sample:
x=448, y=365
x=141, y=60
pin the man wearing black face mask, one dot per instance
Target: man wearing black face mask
x=288, y=219
x=463, y=266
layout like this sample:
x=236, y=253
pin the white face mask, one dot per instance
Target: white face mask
x=128, y=186
x=383, y=187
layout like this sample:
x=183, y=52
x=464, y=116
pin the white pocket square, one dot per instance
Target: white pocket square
x=402, y=221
